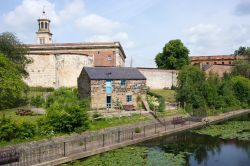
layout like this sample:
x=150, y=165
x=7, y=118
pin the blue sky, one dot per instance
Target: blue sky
x=206, y=27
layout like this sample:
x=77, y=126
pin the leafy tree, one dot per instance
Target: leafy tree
x=190, y=81
x=12, y=48
x=11, y=84
x=242, y=67
x=173, y=56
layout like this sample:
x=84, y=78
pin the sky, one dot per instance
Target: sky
x=206, y=27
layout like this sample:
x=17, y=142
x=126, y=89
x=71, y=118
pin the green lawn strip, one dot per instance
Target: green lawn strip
x=12, y=113
x=111, y=122
x=132, y=156
x=176, y=112
x=169, y=95
x=230, y=130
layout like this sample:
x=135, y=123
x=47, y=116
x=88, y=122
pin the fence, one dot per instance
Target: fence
x=82, y=143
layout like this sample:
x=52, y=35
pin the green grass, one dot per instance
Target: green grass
x=111, y=122
x=169, y=95
x=179, y=112
x=12, y=113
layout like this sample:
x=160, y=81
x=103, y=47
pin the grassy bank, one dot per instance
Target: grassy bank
x=169, y=95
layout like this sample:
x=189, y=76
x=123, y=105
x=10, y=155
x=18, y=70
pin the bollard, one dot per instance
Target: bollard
x=119, y=133
x=103, y=140
x=64, y=149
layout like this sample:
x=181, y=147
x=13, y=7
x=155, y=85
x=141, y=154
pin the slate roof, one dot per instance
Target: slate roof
x=114, y=73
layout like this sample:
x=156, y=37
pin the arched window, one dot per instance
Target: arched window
x=46, y=25
x=42, y=25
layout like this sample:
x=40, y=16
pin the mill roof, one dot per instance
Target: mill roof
x=114, y=73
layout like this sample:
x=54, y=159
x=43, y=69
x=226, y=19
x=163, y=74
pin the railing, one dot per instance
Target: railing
x=37, y=153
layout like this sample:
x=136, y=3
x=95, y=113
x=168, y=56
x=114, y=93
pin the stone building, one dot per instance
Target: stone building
x=59, y=64
x=215, y=59
x=108, y=86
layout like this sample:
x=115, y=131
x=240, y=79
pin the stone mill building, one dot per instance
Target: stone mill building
x=108, y=86
x=59, y=64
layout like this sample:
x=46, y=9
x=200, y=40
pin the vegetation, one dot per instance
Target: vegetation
x=201, y=93
x=168, y=95
x=179, y=112
x=133, y=156
x=15, y=51
x=173, y=56
x=242, y=67
x=12, y=86
x=230, y=130
x=111, y=122
x=156, y=101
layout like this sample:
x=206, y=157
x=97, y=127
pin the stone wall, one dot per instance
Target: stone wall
x=133, y=87
x=218, y=70
x=159, y=78
x=83, y=83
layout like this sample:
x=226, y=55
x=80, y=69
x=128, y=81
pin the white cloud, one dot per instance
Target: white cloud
x=95, y=24
x=209, y=39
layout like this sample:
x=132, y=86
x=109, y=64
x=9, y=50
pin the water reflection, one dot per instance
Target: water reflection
x=205, y=150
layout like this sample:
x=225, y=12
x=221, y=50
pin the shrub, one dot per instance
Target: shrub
x=67, y=119
x=8, y=129
x=26, y=130
x=156, y=100
x=37, y=101
x=137, y=130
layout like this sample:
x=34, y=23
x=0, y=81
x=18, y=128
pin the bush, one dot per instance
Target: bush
x=9, y=130
x=137, y=130
x=37, y=101
x=41, y=89
x=159, y=99
x=67, y=119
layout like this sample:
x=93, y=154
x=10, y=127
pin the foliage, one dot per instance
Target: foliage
x=242, y=68
x=137, y=130
x=111, y=122
x=65, y=119
x=9, y=129
x=160, y=158
x=15, y=51
x=67, y=97
x=11, y=85
x=229, y=130
x=199, y=93
x=156, y=100
x=173, y=56
x=168, y=95
x=41, y=89
x=37, y=101
x=133, y=156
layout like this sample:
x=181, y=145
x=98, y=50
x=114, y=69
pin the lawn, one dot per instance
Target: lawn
x=111, y=122
x=12, y=113
x=169, y=95
x=177, y=112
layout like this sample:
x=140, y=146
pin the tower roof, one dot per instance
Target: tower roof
x=44, y=16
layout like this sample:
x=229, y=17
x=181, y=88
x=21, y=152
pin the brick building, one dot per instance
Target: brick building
x=59, y=64
x=215, y=59
x=107, y=86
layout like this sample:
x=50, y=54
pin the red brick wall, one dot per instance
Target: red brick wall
x=101, y=57
x=215, y=60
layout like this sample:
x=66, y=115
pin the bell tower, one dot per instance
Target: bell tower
x=43, y=35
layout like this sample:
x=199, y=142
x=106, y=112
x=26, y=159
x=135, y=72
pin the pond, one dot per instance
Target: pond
x=225, y=144
x=204, y=150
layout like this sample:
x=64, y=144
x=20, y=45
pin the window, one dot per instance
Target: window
x=46, y=25
x=129, y=98
x=215, y=63
x=109, y=58
x=230, y=62
x=42, y=25
x=42, y=41
x=223, y=63
x=123, y=83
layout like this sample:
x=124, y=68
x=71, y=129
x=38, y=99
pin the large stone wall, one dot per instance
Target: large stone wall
x=159, y=78
x=56, y=70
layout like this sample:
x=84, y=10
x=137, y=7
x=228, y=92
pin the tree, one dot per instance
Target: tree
x=173, y=56
x=11, y=84
x=12, y=48
x=242, y=67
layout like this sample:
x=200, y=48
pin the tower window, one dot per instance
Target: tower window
x=46, y=25
x=42, y=41
x=41, y=24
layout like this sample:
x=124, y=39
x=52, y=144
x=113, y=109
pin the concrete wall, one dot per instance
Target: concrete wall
x=159, y=78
